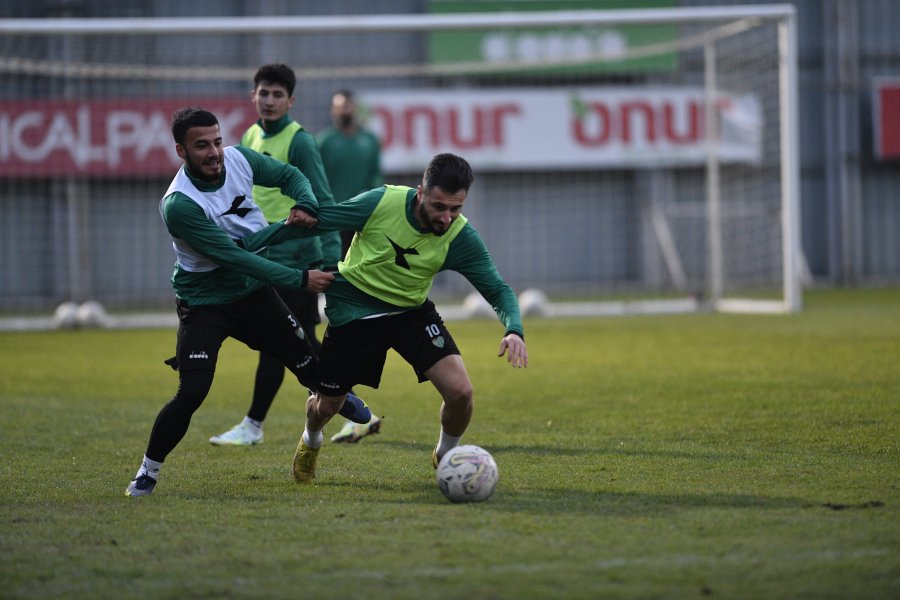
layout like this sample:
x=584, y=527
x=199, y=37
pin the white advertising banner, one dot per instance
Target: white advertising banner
x=559, y=129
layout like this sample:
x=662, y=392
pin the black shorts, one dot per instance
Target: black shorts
x=304, y=305
x=355, y=353
x=261, y=320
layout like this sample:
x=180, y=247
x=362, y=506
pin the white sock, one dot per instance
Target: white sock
x=446, y=442
x=149, y=467
x=252, y=423
x=313, y=439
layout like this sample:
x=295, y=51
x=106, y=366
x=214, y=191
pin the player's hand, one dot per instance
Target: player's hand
x=301, y=218
x=318, y=281
x=514, y=348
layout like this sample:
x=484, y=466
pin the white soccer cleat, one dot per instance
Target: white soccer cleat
x=239, y=435
x=353, y=432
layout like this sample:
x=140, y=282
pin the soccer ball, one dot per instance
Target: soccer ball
x=467, y=474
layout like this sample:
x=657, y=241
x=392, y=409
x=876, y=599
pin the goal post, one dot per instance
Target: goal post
x=627, y=161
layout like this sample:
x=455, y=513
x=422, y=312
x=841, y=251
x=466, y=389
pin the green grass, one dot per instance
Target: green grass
x=692, y=456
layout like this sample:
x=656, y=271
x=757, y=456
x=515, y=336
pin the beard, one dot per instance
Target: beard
x=197, y=173
x=429, y=224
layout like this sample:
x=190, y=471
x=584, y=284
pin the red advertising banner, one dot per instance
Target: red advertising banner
x=114, y=138
x=502, y=129
x=887, y=118
x=564, y=128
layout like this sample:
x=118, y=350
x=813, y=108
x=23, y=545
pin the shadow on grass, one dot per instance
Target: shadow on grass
x=640, y=503
x=519, y=492
x=510, y=498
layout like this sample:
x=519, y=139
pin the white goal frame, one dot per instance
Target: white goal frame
x=735, y=18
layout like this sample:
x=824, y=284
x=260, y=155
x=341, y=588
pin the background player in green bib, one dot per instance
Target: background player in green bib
x=220, y=286
x=379, y=300
x=277, y=135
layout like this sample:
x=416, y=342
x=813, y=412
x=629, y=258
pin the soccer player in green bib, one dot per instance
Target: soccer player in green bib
x=379, y=299
x=277, y=135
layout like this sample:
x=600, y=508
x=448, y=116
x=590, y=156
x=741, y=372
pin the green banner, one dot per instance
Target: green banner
x=586, y=48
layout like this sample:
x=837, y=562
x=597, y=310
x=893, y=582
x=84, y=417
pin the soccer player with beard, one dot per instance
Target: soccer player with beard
x=379, y=299
x=220, y=287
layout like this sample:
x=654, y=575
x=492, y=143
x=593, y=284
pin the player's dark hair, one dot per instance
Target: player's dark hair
x=278, y=74
x=449, y=172
x=188, y=118
x=348, y=94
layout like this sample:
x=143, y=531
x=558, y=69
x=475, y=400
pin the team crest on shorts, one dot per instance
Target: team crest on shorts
x=438, y=341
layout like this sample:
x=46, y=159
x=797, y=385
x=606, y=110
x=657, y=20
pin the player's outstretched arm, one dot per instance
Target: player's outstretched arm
x=514, y=347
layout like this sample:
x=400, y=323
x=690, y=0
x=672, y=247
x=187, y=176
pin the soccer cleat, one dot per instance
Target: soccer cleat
x=356, y=409
x=303, y=467
x=434, y=459
x=353, y=432
x=239, y=435
x=141, y=486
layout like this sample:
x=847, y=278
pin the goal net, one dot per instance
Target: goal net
x=625, y=160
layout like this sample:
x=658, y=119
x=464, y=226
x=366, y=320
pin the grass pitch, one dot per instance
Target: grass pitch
x=691, y=456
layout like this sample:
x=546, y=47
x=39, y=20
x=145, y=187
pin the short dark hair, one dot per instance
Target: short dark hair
x=449, y=172
x=188, y=118
x=348, y=94
x=276, y=73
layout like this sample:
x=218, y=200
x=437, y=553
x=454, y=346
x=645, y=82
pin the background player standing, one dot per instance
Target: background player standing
x=277, y=135
x=351, y=154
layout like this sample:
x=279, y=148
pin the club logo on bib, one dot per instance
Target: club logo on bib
x=401, y=252
x=438, y=341
x=236, y=208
